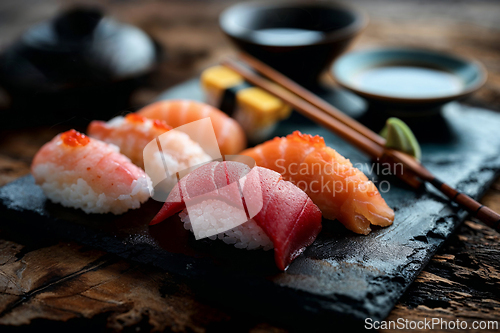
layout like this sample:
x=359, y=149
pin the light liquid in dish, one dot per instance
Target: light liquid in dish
x=288, y=36
x=408, y=82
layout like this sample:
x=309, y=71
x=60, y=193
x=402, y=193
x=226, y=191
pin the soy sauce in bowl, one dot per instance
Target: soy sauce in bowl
x=408, y=81
x=297, y=38
x=288, y=36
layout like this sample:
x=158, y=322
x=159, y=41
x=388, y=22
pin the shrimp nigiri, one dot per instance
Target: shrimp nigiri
x=341, y=191
x=80, y=172
x=281, y=215
x=230, y=136
x=133, y=132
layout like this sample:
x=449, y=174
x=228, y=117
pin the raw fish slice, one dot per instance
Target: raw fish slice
x=288, y=217
x=130, y=133
x=341, y=191
x=286, y=214
x=204, y=180
x=81, y=172
x=229, y=134
x=133, y=132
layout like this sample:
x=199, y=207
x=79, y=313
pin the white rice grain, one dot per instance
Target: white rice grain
x=65, y=187
x=247, y=236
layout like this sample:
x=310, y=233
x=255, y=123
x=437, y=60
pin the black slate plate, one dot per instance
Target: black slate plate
x=342, y=278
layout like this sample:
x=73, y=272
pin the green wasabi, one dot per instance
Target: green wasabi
x=400, y=137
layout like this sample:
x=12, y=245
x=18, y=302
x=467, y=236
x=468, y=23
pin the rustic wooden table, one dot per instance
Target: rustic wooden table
x=61, y=285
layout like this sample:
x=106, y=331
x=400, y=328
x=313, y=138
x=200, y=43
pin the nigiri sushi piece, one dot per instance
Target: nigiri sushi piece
x=341, y=191
x=81, y=172
x=283, y=217
x=230, y=136
x=130, y=133
x=133, y=132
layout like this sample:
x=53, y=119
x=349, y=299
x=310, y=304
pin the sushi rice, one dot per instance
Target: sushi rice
x=247, y=236
x=67, y=188
x=137, y=136
x=80, y=172
x=283, y=217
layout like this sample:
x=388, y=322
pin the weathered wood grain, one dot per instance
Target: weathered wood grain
x=63, y=285
x=463, y=280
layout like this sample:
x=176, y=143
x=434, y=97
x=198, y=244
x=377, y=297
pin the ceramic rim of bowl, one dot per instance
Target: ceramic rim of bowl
x=480, y=70
x=356, y=26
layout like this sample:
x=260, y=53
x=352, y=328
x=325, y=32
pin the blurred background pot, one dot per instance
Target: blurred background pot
x=79, y=65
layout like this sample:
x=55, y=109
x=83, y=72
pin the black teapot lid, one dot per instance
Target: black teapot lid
x=79, y=47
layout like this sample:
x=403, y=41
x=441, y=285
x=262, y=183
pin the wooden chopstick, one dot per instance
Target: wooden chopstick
x=358, y=135
x=310, y=97
x=358, y=139
x=407, y=176
x=312, y=112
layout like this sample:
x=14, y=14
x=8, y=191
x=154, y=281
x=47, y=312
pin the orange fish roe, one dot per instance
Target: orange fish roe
x=307, y=138
x=161, y=125
x=135, y=118
x=73, y=138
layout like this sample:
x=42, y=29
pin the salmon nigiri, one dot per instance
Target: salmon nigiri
x=341, y=191
x=229, y=134
x=283, y=217
x=81, y=172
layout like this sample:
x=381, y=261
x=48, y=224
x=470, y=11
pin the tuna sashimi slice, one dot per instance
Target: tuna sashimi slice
x=284, y=212
x=288, y=216
x=204, y=180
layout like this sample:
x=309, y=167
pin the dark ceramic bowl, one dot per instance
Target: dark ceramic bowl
x=299, y=39
x=407, y=80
